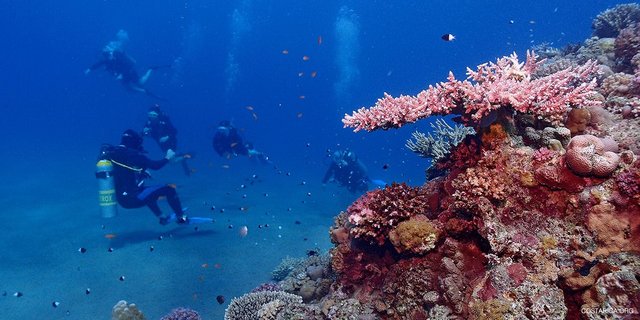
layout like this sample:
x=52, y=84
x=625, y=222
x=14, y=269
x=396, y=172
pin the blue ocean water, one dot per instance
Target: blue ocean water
x=227, y=62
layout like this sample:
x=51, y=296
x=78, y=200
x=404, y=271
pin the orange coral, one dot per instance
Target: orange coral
x=577, y=120
x=614, y=231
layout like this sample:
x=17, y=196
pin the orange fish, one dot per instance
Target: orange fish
x=285, y=51
x=110, y=235
x=233, y=144
x=305, y=58
x=217, y=266
x=299, y=115
x=172, y=185
x=319, y=40
x=300, y=74
x=301, y=97
x=226, y=166
x=254, y=115
x=250, y=108
x=313, y=74
x=205, y=265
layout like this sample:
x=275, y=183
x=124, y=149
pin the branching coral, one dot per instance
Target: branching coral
x=493, y=86
x=438, y=146
x=247, y=306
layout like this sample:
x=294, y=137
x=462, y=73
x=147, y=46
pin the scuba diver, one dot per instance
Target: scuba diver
x=348, y=171
x=130, y=172
x=115, y=61
x=159, y=128
x=227, y=142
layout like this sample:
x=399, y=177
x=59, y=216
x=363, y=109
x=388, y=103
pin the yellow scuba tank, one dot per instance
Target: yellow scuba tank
x=106, y=189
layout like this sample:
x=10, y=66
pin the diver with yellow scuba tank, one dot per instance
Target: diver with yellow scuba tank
x=129, y=171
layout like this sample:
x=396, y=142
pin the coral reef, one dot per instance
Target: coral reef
x=267, y=286
x=586, y=155
x=446, y=136
x=505, y=84
x=535, y=216
x=609, y=22
x=126, y=311
x=626, y=47
x=182, y=314
x=263, y=305
x=311, y=279
x=284, y=268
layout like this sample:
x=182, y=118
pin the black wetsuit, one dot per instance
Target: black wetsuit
x=129, y=167
x=229, y=143
x=352, y=176
x=122, y=66
x=162, y=127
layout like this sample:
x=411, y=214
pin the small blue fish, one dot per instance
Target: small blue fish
x=379, y=182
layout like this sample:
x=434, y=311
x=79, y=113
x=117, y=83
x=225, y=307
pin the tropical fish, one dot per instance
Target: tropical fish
x=448, y=37
x=243, y=231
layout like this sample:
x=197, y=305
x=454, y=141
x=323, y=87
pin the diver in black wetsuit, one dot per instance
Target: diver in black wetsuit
x=227, y=142
x=160, y=129
x=348, y=171
x=115, y=61
x=129, y=171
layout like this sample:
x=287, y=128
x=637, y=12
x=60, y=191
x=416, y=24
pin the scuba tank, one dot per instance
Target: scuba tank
x=106, y=186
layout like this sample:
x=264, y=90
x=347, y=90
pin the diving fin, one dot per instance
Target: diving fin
x=191, y=220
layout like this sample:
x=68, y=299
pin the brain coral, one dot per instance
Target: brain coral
x=586, y=156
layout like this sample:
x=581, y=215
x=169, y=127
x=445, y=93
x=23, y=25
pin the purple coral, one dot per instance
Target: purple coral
x=182, y=314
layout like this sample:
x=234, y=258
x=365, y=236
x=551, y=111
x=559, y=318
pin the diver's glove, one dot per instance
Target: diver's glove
x=170, y=154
